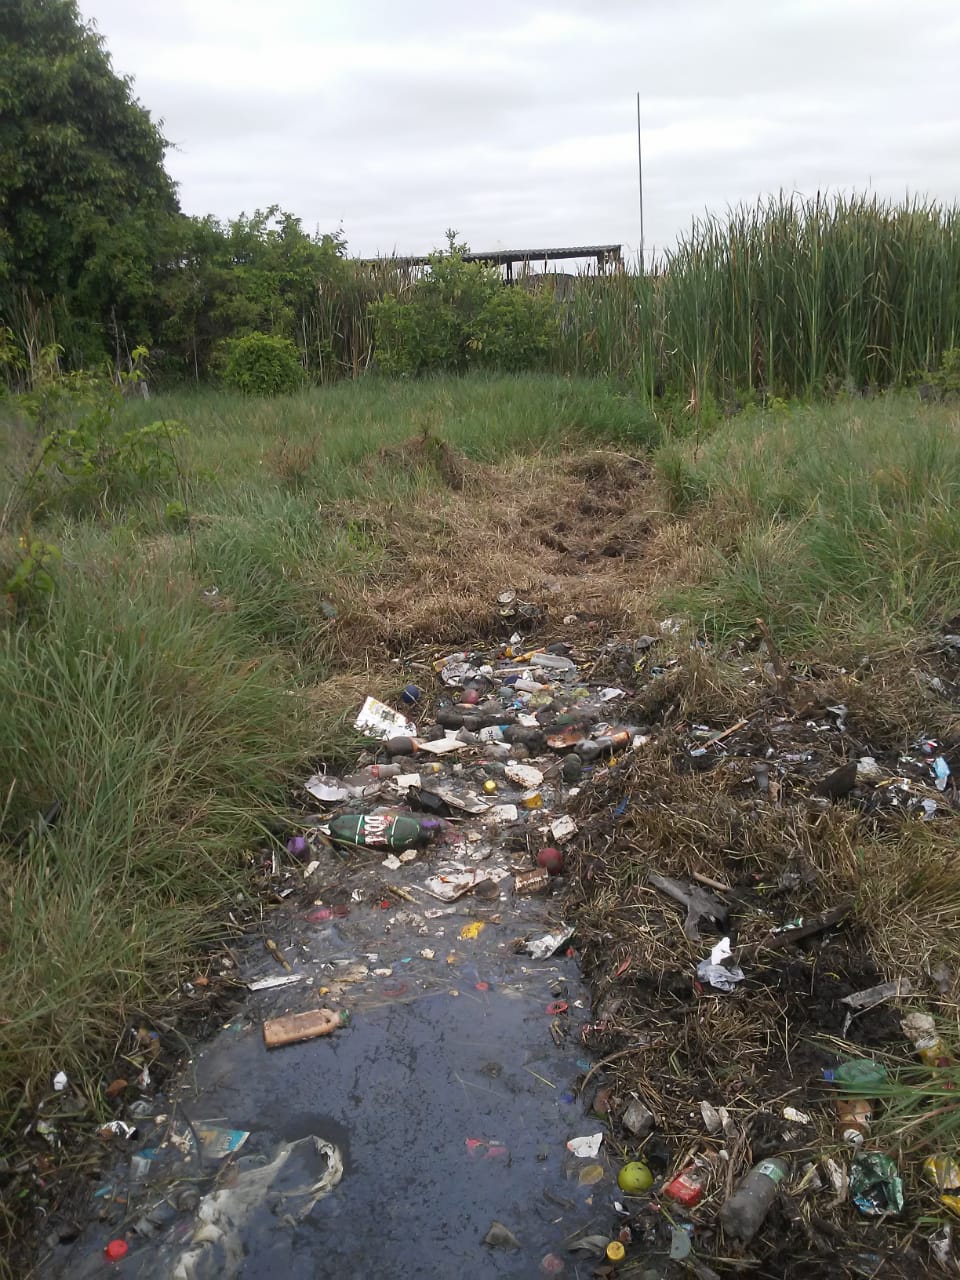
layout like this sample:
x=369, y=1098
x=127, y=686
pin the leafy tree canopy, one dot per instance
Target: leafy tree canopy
x=81, y=161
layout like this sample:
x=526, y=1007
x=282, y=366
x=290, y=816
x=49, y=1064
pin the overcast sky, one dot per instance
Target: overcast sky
x=515, y=121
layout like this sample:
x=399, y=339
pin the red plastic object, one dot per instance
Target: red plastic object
x=686, y=1188
x=116, y=1250
x=558, y=1006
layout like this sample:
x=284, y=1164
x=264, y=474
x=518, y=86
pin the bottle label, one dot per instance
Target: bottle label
x=376, y=829
x=774, y=1171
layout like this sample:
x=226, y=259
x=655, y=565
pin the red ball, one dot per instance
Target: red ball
x=116, y=1250
x=551, y=860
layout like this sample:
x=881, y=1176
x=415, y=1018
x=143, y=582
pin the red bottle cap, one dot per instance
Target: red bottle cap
x=116, y=1250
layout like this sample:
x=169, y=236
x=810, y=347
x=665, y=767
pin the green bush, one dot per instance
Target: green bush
x=262, y=365
x=461, y=316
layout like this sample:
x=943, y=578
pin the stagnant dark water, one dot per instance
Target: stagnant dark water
x=446, y=1097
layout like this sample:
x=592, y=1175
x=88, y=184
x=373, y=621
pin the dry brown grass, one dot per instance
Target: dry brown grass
x=568, y=534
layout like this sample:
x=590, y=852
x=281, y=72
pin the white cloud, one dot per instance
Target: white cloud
x=515, y=122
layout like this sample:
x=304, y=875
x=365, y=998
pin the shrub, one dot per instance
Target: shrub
x=262, y=365
x=83, y=452
x=461, y=316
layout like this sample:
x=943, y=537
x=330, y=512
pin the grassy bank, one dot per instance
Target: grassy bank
x=157, y=694
x=191, y=660
x=836, y=523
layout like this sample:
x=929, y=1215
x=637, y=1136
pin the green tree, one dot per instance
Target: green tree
x=85, y=201
x=258, y=274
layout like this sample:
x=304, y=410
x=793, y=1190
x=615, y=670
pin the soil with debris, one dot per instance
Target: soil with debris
x=471, y=1107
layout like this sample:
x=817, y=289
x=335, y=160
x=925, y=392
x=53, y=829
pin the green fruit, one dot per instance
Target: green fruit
x=634, y=1178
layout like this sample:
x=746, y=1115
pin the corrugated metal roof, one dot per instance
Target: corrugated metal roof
x=516, y=255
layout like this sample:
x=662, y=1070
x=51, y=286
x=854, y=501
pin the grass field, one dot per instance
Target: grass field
x=188, y=665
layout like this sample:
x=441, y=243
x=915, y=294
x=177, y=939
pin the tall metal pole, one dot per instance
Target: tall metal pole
x=640, y=177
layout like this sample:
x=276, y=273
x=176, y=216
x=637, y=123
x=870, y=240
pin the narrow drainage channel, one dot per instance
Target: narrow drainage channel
x=427, y=1135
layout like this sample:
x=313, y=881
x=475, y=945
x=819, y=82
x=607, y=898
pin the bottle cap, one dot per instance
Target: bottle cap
x=615, y=1251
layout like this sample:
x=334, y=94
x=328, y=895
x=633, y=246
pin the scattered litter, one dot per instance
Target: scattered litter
x=443, y=746
x=300, y=1174
x=593, y=1244
x=921, y=1030
x=875, y=1184
x=586, y=1147
x=534, y=881
x=294, y=1027
x=379, y=830
x=876, y=995
x=60, y=1081
x=700, y=903
x=118, y=1128
x=543, y=948
x=711, y=1117
x=680, y=1243
x=503, y=814
x=795, y=1116
x=563, y=829
x=944, y=1173
x=715, y=973
x=638, y=1119
x=523, y=775
x=216, y=1142
x=473, y=929
x=377, y=720
x=281, y=980
x=745, y=1210
x=634, y=1178
x=391, y=862
x=326, y=789
x=450, y=887
x=550, y=860
x=501, y=1237
x=686, y=1188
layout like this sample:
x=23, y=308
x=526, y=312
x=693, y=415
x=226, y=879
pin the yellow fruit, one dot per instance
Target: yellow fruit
x=634, y=1178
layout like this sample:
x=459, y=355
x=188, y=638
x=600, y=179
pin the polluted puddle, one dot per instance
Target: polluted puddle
x=399, y=1094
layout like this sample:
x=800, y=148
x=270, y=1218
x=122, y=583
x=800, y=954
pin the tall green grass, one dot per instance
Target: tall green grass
x=836, y=523
x=790, y=297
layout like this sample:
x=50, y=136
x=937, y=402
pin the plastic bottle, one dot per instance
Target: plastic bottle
x=590, y=748
x=372, y=773
x=744, y=1212
x=922, y=1030
x=378, y=830
x=855, y=1116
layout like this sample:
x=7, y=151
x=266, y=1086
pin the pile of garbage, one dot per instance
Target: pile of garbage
x=744, y=1041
